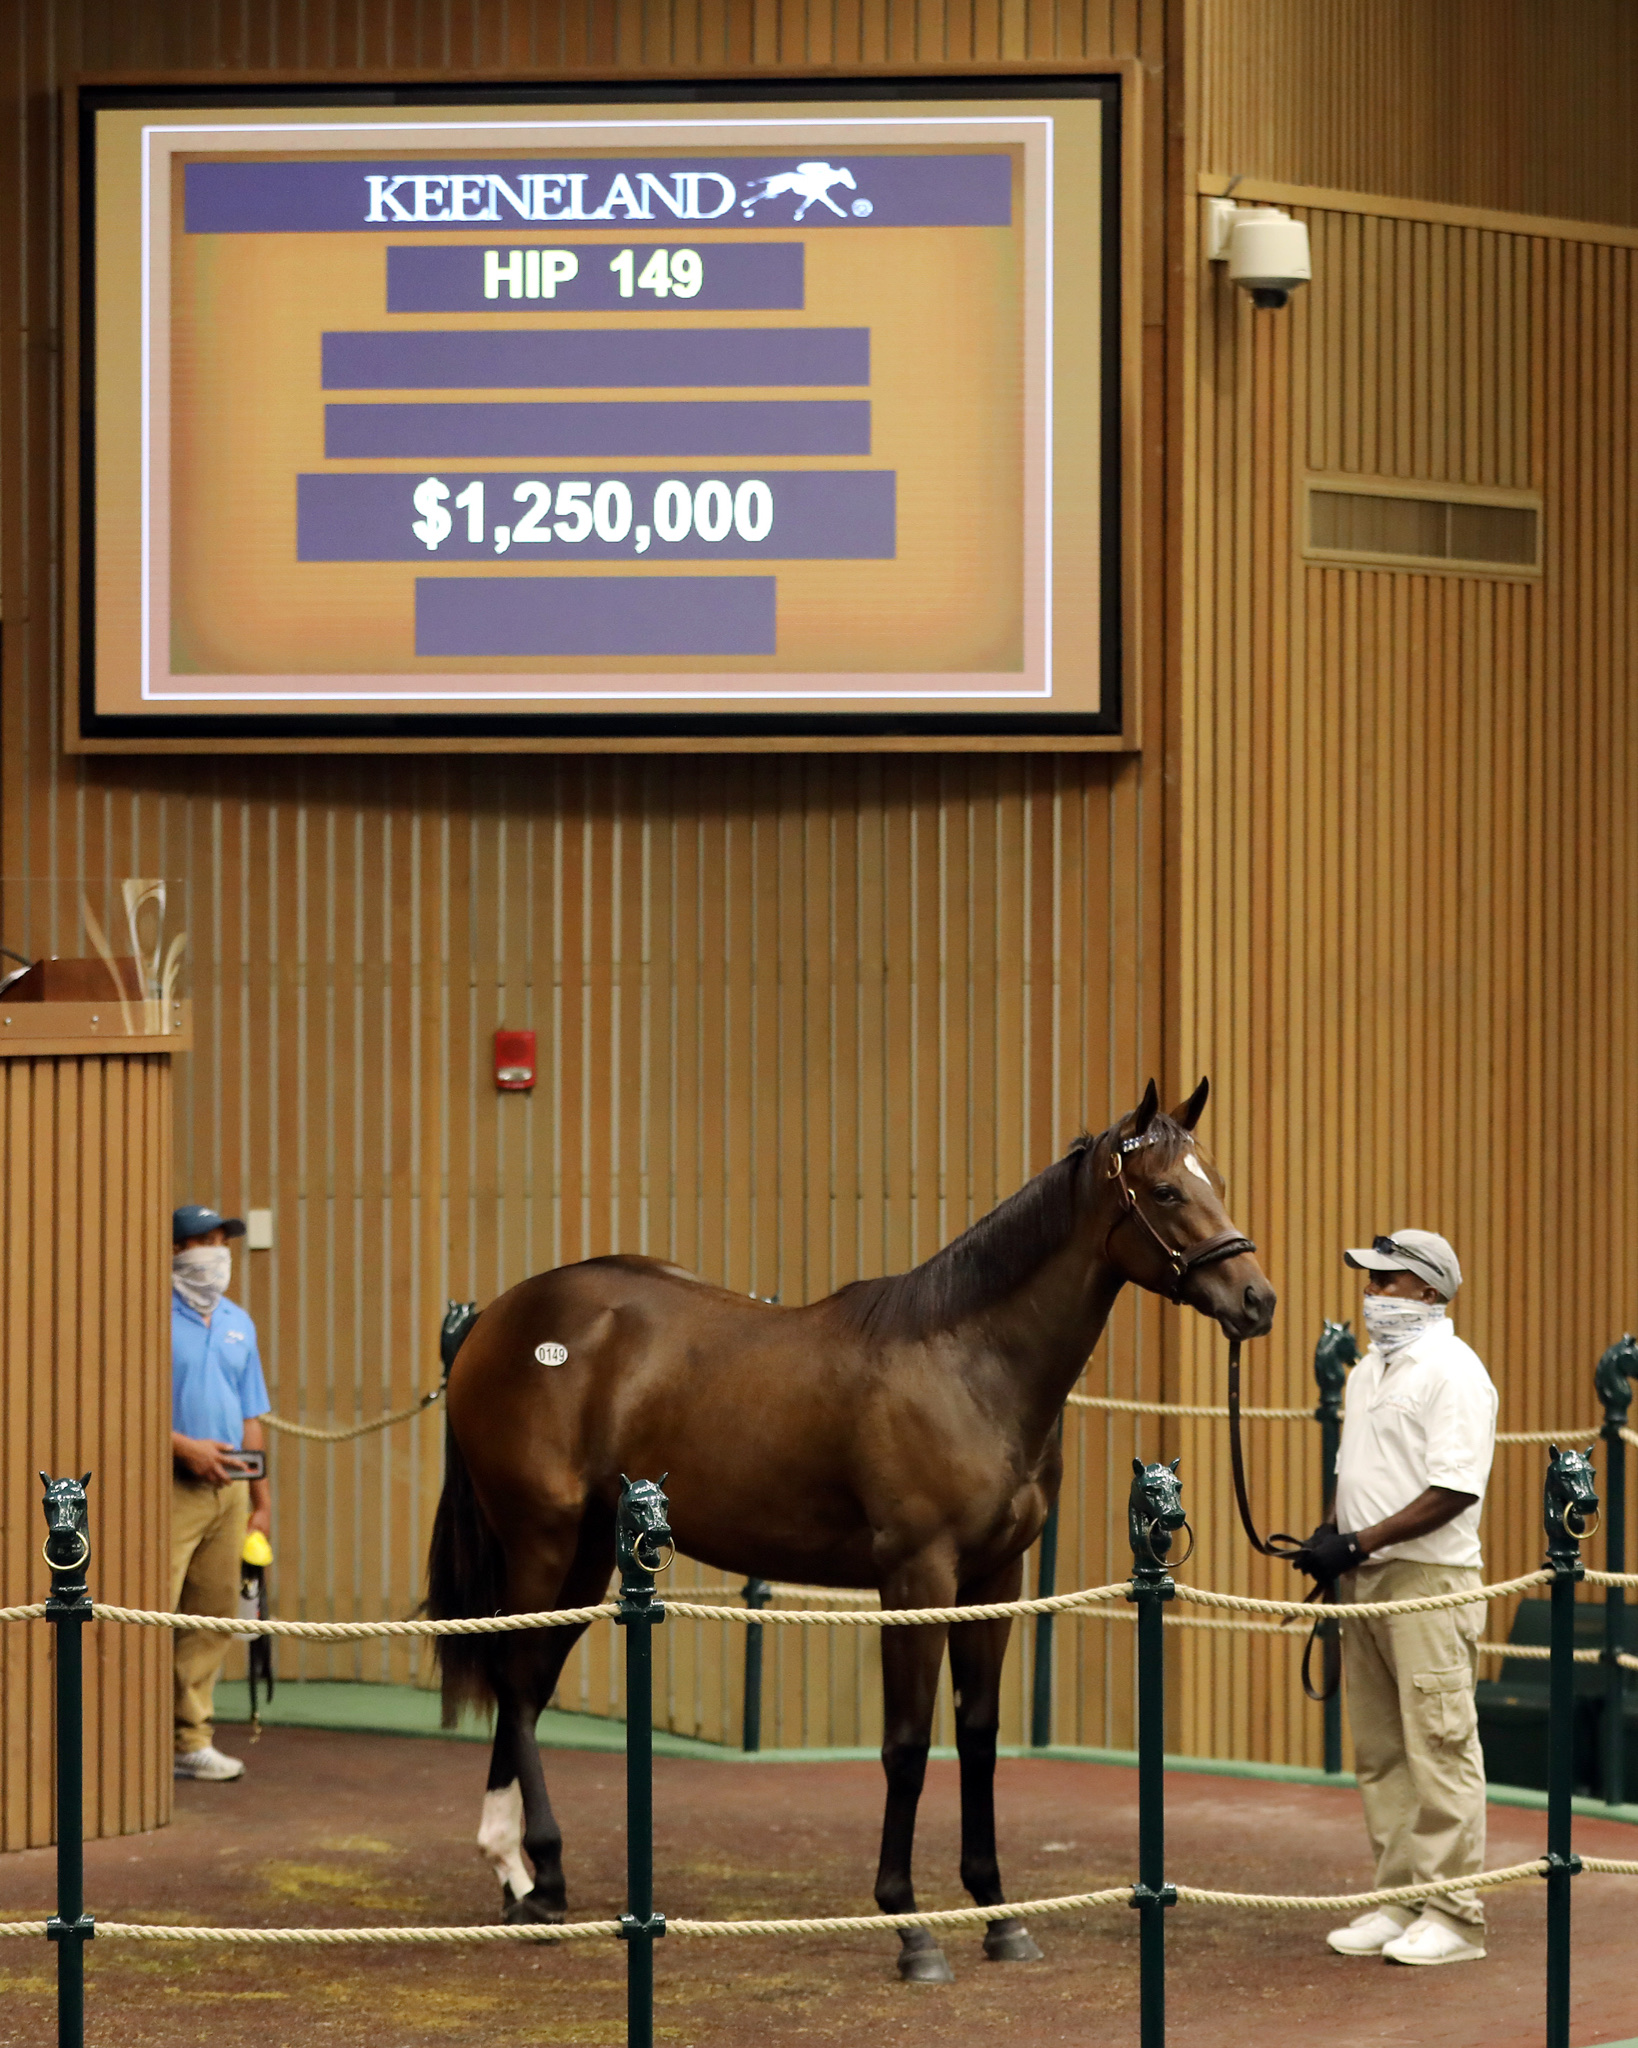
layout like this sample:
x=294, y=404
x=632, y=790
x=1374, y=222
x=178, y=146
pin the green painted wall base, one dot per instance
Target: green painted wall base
x=406, y=1710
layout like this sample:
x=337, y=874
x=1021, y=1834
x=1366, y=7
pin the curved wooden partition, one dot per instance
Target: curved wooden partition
x=85, y=1187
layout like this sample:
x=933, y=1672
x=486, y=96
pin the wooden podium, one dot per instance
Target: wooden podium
x=85, y=1201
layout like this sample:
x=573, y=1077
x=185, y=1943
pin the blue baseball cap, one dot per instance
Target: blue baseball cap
x=193, y=1219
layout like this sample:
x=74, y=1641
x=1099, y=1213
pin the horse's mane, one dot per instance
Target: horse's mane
x=990, y=1258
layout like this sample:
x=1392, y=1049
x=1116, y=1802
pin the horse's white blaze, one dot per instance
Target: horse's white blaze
x=500, y=1837
x=1195, y=1167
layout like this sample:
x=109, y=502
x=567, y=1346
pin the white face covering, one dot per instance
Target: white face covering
x=200, y=1274
x=1392, y=1323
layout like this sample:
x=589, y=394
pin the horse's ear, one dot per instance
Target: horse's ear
x=85, y=1479
x=1139, y=1467
x=1175, y=1463
x=1188, y=1113
x=1552, y=1453
x=1144, y=1115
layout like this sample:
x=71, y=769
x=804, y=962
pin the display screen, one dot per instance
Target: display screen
x=680, y=419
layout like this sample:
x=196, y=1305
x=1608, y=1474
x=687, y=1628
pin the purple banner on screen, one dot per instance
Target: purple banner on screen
x=474, y=616
x=600, y=430
x=733, y=277
x=816, y=187
x=590, y=356
x=827, y=515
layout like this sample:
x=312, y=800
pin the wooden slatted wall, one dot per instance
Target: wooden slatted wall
x=85, y=1149
x=1405, y=901
x=1520, y=105
x=798, y=1020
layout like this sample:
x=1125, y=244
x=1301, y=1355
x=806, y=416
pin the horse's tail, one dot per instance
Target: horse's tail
x=466, y=1576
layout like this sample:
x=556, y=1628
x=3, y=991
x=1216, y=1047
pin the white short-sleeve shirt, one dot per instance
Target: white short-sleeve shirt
x=1428, y=1418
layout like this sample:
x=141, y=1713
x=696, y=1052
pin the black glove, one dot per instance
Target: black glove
x=1328, y=1553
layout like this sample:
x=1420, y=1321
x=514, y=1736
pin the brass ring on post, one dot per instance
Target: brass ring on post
x=665, y=1562
x=74, y=1564
x=1583, y=1534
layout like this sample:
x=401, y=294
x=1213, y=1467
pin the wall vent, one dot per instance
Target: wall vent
x=1423, y=526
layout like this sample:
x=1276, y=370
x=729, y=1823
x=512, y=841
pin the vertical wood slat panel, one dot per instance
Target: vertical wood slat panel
x=84, y=1387
x=1448, y=849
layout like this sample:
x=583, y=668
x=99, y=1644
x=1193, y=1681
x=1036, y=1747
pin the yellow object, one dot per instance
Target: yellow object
x=257, y=1549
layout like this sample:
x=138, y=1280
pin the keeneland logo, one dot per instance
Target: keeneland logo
x=460, y=196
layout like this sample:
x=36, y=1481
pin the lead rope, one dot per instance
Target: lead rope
x=1279, y=1544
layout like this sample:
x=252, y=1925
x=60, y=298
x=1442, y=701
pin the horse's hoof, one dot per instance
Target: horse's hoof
x=532, y=1912
x=1009, y=1941
x=925, y=1966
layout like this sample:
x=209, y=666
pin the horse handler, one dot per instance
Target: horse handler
x=1417, y=1442
x=217, y=1397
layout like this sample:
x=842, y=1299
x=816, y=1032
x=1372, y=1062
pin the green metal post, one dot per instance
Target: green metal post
x=642, y=1534
x=1614, y=1384
x=67, y=1551
x=1046, y=1584
x=1333, y=1354
x=1567, y=1501
x=757, y=1595
x=1151, y=1895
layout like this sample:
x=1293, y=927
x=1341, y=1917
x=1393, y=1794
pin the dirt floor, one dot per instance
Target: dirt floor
x=349, y=1829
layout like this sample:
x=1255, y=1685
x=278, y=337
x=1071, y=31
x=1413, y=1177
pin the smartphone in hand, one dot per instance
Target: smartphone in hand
x=247, y=1464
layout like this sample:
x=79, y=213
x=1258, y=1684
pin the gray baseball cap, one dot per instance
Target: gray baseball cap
x=1423, y=1252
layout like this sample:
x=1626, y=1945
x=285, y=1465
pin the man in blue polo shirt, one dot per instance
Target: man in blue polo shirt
x=217, y=1396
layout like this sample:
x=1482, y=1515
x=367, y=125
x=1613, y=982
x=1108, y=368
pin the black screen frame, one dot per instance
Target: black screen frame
x=146, y=734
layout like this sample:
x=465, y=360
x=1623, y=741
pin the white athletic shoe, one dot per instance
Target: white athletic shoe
x=208, y=1764
x=1433, y=1940
x=1370, y=1934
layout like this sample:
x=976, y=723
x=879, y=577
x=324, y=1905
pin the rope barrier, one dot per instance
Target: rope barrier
x=1593, y=1578
x=1120, y=1407
x=889, y=1617
x=1188, y=1409
x=1342, y=1902
x=356, y=1631
x=341, y=1436
x=1364, y=1610
x=844, y=1923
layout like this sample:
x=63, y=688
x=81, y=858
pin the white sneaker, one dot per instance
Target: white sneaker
x=208, y=1764
x=1433, y=1940
x=1370, y=1934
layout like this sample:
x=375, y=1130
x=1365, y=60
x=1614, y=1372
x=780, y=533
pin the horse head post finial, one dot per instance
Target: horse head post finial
x=1154, y=1514
x=454, y=1330
x=1335, y=1352
x=1569, y=1506
x=642, y=1540
x=1613, y=1379
x=67, y=1546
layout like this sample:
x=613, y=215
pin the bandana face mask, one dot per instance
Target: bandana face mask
x=1392, y=1323
x=200, y=1274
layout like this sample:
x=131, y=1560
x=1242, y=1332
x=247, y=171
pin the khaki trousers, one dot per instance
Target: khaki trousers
x=1415, y=1727
x=207, y=1542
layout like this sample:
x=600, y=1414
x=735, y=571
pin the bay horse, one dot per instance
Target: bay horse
x=898, y=1435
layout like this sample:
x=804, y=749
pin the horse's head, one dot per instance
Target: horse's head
x=68, y=1523
x=643, y=1527
x=1570, y=1497
x=1154, y=1510
x=1168, y=1230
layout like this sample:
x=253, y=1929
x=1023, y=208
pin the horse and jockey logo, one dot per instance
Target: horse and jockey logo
x=813, y=184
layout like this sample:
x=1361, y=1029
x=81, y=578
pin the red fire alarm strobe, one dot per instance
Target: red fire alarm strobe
x=514, y=1059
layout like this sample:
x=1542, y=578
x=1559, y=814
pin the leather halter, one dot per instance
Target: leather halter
x=1227, y=1244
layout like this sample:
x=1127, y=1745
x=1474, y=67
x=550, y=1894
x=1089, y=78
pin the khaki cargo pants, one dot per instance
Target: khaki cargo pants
x=1416, y=1732
x=207, y=1545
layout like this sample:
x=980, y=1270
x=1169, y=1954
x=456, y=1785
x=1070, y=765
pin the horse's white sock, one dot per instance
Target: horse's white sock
x=500, y=1838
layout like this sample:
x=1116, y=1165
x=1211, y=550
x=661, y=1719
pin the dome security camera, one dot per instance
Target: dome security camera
x=1265, y=249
